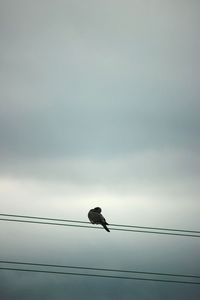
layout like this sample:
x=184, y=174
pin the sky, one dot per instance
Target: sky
x=99, y=106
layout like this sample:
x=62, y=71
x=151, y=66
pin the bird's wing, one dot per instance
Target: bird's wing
x=102, y=219
x=94, y=217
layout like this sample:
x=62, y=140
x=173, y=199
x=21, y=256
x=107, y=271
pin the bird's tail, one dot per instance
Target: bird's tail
x=105, y=227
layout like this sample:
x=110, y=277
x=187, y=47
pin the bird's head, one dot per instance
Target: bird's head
x=97, y=209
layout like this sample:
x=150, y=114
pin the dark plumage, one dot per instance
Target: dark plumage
x=96, y=217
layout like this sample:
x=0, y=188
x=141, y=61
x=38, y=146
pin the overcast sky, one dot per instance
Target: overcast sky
x=99, y=106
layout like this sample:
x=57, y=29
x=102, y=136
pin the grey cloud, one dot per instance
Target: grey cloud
x=146, y=167
x=90, y=288
x=70, y=88
x=96, y=132
x=99, y=103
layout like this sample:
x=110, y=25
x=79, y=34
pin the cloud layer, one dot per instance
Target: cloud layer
x=99, y=107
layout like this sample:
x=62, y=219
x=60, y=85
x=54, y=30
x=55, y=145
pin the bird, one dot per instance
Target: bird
x=95, y=217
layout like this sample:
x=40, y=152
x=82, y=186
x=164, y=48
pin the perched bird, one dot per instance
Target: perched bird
x=96, y=217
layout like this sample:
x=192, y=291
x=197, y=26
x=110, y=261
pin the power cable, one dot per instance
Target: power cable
x=83, y=222
x=102, y=276
x=98, y=269
x=117, y=229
